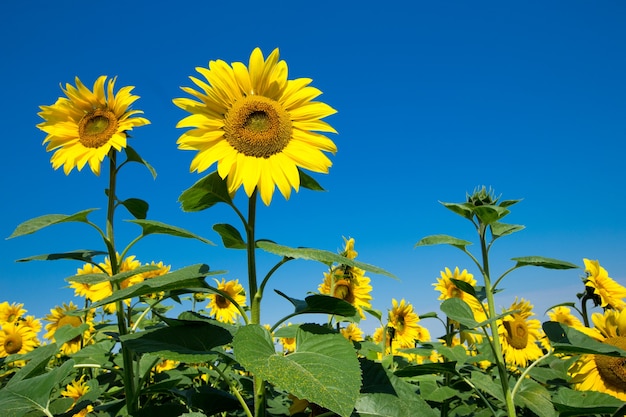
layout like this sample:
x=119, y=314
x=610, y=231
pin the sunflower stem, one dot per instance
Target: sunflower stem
x=497, y=347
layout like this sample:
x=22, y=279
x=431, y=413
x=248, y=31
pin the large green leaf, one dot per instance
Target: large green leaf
x=319, y=255
x=543, y=262
x=205, y=193
x=535, y=397
x=231, y=238
x=319, y=303
x=153, y=227
x=571, y=403
x=188, y=342
x=565, y=339
x=459, y=310
x=133, y=156
x=499, y=229
x=83, y=255
x=490, y=214
x=137, y=207
x=38, y=223
x=443, y=240
x=37, y=360
x=323, y=369
x=187, y=277
x=32, y=393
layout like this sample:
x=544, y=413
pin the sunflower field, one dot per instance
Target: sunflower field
x=123, y=352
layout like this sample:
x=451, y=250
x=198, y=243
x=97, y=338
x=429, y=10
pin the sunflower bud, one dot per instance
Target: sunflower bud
x=482, y=197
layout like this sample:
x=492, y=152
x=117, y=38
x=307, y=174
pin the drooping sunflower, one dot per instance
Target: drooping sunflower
x=610, y=293
x=258, y=126
x=223, y=309
x=86, y=124
x=520, y=335
x=10, y=313
x=62, y=315
x=350, y=284
x=352, y=332
x=16, y=338
x=404, y=322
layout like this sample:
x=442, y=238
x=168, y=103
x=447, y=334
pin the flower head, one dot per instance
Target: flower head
x=84, y=126
x=258, y=126
x=352, y=332
x=600, y=372
x=16, y=338
x=520, y=334
x=449, y=289
x=223, y=309
x=76, y=389
x=10, y=313
x=563, y=315
x=610, y=293
x=403, y=320
x=62, y=315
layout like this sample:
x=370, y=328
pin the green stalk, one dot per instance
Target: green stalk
x=128, y=377
x=497, y=347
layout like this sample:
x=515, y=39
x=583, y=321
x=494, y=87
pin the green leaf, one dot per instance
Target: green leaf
x=462, y=209
x=443, y=240
x=459, y=310
x=306, y=181
x=566, y=339
x=427, y=369
x=38, y=223
x=508, y=203
x=320, y=303
x=323, y=369
x=205, y=193
x=489, y=214
x=37, y=359
x=536, y=398
x=99, y=277
x=137, y=207
x=230, y=236
x=571, y=403
x=485, y=383
x=187, y=277
x=502, y=229
x=543, y=262
x=464, y=286
x=33, y=393
x=83, y=255
x=319, y=255
x=133, y=156
x=188, y=342
x=153, y=227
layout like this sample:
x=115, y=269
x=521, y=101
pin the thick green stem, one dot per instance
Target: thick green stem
x=497, y=346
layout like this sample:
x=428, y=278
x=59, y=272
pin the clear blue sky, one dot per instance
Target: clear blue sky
x=433, y=99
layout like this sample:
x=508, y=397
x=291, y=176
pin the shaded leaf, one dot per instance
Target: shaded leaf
x=543, y=262
x=443, y=240
x=486, y=384
x=306, y=181
x=83, y=255
x=571, y=403
x=137, y=207
x=427, y=369
x=133, y=156
x=320, y=303
x=319, y=255
x=38, y=223
x=205, y=193
x=464, y=286
x=565, y=339
x=536, y=398
x=153, y=227
x=231, y=238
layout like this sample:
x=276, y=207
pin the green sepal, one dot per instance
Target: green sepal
x=137, y=207
x=38, y=223
x=133, y=156
x=231, y=238
x=490, y=214
x=462, y=209
x=443, y=240
x=548, y=263
x=205, y=193
x=153, y=227
x=319, y=255
x=84, y=255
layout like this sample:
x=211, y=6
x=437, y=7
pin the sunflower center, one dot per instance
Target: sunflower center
x=96, y=128
x=517, y=333
x=221, y=301
x=613, y=369
x=74, y=321
x=344, y=291
x=13, y=343
x=257, y=126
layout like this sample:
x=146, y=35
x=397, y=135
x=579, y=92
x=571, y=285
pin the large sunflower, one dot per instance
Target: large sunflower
x=519, y=334
x=258, y=126
x=610, y=293
x=16, y=338
x=62, y=315
x=403, y=320
x=223, y=309
x=600, y=372
x=84, y=126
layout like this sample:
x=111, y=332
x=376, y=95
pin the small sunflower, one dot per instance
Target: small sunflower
x=258, y=126
x=600, y=372
x=33, y=323
x=16, y=338
x=352, y=332
x=223, y=309
x=60, y=316
x=403, y=320
x=520, y=335
x=350, y=284
x=610, y=293
x=10, y=313
x=563, y=315
x=84, y=126
x=165, y=365
x=448, y=289
x=76, y=389
x=162, y=270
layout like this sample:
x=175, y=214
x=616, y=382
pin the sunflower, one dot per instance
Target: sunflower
x=16, y=338
x=161, y=270
x=610, y=293
x=76, y=389
x=165, y=365
x=520, y=335
x=60, y=316
x=223, y=309
x=600, y=372
x=449, y=289
x=352, y=332
x=403, y=320
x=10, y=313
x=563, y=315
x=258, y=126
x=32, y=322
x=86, y=125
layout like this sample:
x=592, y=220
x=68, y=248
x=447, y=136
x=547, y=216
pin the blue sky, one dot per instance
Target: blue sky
x=433, y=99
